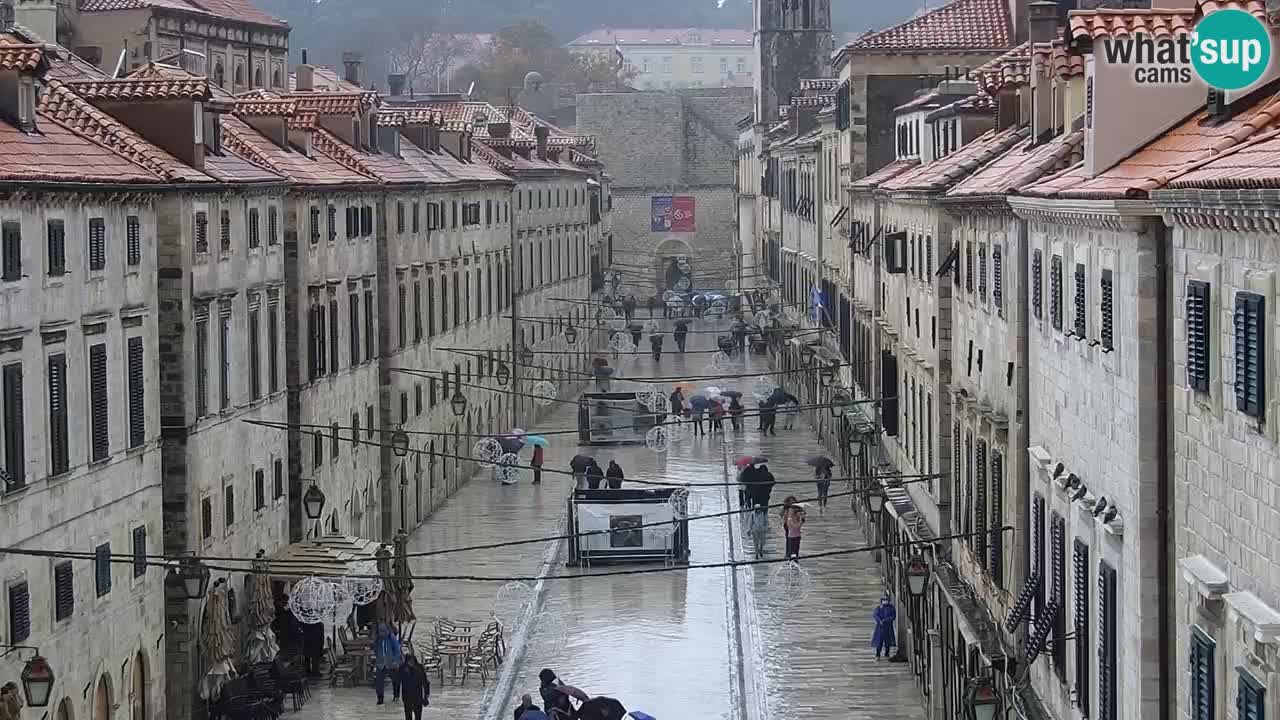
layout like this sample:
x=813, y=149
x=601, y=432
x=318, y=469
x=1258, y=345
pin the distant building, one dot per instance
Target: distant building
x=664, y=59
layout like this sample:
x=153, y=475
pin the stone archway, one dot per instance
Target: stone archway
x=666, y=271
x=65, y=711
x=103, y=699
x=140, y=687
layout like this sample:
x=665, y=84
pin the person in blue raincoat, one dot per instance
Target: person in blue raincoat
x=387, y=656
x=885, y=616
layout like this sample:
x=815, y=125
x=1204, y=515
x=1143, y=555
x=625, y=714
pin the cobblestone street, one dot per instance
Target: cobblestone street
x=665, y=643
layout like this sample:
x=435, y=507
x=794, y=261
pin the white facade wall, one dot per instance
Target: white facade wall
x=107, y=643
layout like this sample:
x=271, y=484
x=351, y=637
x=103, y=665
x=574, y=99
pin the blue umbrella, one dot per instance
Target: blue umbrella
x=699, y=401
x=537, y=440
x=642, y=716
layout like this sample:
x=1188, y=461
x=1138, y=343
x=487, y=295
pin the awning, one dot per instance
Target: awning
x=329, y=556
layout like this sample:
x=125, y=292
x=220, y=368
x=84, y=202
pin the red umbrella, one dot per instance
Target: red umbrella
x=744, y=461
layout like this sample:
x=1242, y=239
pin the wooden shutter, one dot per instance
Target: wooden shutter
x=273, y=225
x=252, y=221
x=353, y=312
x=366, y=221
x=1058, y=532
x=1203, y=675
x=1081, y=307
x=56, y=241
x=1037, y=283
x=967, y=496
x=97, y=244
x=224, y=230
x=1250, y=698
x=273, y=349
x=102, y=569
x=369, y=336
x=19, y=612
x=133, y=241
x=1107, y=631
x=982, y=271
x=417, y=311
x=997, y=277
x=1107, y=331
x=202, y=232
x=1037, y=549
x=259, y=489
x=888, y=393
x=59, y=452
x=11, y=250
x=402, y=296
x=64, y=595
x=14, y=426
x=322, y=353
x=1250, y=354
x=956, y=475
x=980, y=502
x=137, y=394
x=1055, y=292
x=995, y=565
x=140, y=551
x=1199, y=369
x=100, y=433
x=968, y=266
x=334, y=348
x=1080, y=618
x=255, y=353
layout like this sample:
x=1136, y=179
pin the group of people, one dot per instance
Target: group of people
x=756, y=484
x=409, y=682
x=588, y=474
x=714, y=412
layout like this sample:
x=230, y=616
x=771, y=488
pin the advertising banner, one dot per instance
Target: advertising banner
x=672, y=213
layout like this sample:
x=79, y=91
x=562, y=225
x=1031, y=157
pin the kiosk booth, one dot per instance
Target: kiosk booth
x=613, y=418
x=625, y=523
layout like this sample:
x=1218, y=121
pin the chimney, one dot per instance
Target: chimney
x=1006, y=110
x=465, y=147
x=18, y=98
x=1042, y=21
x=38, y=16
x=542, y=133
x=351, y=63
x=395, y=84
x=304, y=77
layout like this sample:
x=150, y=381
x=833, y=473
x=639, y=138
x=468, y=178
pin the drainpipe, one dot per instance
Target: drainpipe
x=1164, y=484
x=819, y=191
x=513, y=272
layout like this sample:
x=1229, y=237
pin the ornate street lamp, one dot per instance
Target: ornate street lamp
x=458, y=402
x=917, y=576
x=313, y=502
x=193, y=575
x=875, y=501
x=37, y=680
x=840, y=401
x=526, y=356
x=827, y=374
x=982, y=699
x=570, y=334
x=502, y=374
x=400, y=442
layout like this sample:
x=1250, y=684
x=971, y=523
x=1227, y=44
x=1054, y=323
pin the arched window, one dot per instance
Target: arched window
x=239, y=74
x=219, y=74
x=275, y=78
x=139, y=692
x=257, y=77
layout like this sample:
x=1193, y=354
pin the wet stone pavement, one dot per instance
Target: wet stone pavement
x=673, y=644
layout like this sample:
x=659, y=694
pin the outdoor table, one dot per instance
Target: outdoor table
x=453, y=651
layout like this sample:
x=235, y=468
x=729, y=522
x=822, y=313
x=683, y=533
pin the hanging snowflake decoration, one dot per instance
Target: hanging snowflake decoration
x=788, y=584
x=312, y=600
x=671, y=296
x=621, y=342
x=511, y=601
x=343, y=605
x=544, y=392
x=678, y=432
x=508, y=469
x=550, y=630
x=365, y=586
x=683, y=283
x=653, y=399
x=764, y=318
x=684, y=504
x=763, y=387
x=487, y=451
x=657, y=439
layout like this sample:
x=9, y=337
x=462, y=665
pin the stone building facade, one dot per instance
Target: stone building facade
x=675, y=58
x=792, y=41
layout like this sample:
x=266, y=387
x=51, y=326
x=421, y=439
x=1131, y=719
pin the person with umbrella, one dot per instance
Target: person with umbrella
x=655, y=343
x=681, y=333
x=762, y=481
x=697, y=406
x=614, y=475
x=579, y=465
x=822, y=474
x=594, y=475
x=677, y=403
x=882, y=638
x=415, y=687
x=794, y=402
x=745, y=471
x=792, y=522
x=735, y=409
x=536, y=463
x=387, y=656
x=768, y=418
x=717, y=416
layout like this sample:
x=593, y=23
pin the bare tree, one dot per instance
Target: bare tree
x=425, y=56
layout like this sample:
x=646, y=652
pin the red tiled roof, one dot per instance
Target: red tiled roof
x=317, y=169
x=1053, y=59
x=252, y=107
x=407, y=116
x=1009, y=70
x=920, y=102
x=819, y=84
x=72, y=111
x=1256, y=8
x=605, y=37
x=1022, y=165
x=230, y=167
x=59, y=154
x=972, y=105
x=1104, y=22
x=888, y=172
x=345, y=103
x=1254, y=164
x=234, y=10
x=20, y=57
x=946, y=171
x=958, y=25
x=1174, y=154
x=143, y=89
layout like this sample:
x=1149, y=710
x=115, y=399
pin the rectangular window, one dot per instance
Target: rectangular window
x=417, y=311
x=229, y=505
x=1250, y=354
x=315, y=225
x=56, y=242
x=402, y=295
x=140, y=551
x=19, y=612
x=64, y=591
x=982, y=272
x=353, y=310
x=1037, y=551
x=333, y=224
x=1080, y=618
x=334, y=348
x=59, y=450
x=11, y=250
x=416, y=216
x=1250, y=698
x=255, y=355
x=202, y=367
x=404, y=407
x=1107, y=331
x=206, y=518
x=366, y=221
x=1081, y=304
x=97, y=250
x=133, y=241
x=1037, y=278
x=273, y=225
x=980, y=501
x=457, y=308
x=334, y=445
x=14, y=427
x=997, y=278
x=370, y=336
x=1107, y=641
x=102, y=569
x=259, y=489
x=277, y=479
x=1057, y=604
x=1055, y=292
x=317, y=449
x=1197, y=308
x=99, y=432
x=255, y=238
x=368, y=421
x=202, y=232
x=273, y=354
x=224, y=357
x=995, y=562
x=969, y=266
x=224, y=231
x=417, y=399
x=399, y=216
x=137, y=393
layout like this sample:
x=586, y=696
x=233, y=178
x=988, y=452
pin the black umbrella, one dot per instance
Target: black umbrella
x=602, y=708
x=820, y=461
x=731, y=393
x=635, y=327
x=760, y=460
x=511, y=444
x=682, y=324
x=579, y=463
x=777, y=397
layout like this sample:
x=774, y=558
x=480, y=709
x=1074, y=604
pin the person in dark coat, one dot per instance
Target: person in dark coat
x=735, y=413
x=761, y=485
x=527, y=706
x=882, y=638
x=655, y=343
x=680, y=333
x=415, y=688
x=635, y=336
x=579, y=465
x=677, y=403
x=629, y=307
x=584, y=421
x=594, y=475
x=653, y=305
x=536, y=463
x=313, y=646
x=556, y=702
x=768, y=418
x=615, y=476
x=822, y=474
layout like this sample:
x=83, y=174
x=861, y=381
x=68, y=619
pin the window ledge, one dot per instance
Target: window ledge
x=1249, y=610
x=1209, y=581
x=96, y=464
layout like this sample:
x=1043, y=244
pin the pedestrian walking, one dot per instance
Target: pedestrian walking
x=629, y=308
x=536, y=462
x=387, y=656
x=528, y=711
x=792, y=411
x=653, y=305
x=760, y=485
x=553, y=698
x=680, y=334
x=655, y=343
x=735, y=413
x=759, y=529
x=415, y=688
x=677, y=402
x=792, y=522
x=768, y=419
x=717, y=416
x=595, y=475
x=614, y=475
x=697, y=420
x=822, y=474
x=882, y=638
x=579, y=465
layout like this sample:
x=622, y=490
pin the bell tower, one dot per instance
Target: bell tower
x=792, y=41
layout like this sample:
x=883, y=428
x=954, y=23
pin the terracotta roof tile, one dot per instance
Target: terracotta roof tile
x=1104, y=22
x=888, y=172
x=1052, y=59
x=921, y=102
x=1024, y=164
x=944, y=172
x=1256, y=8
x=819, y=84
x=143, y=89
x=74, y=112
x=1254, y=164
x=59, y=154
x=317, y=169
x=236, y=10
x=252, y=107
x=958, y=25
x=399, y=117
x=330, y=103
x=1173, y=155
x=230, y=167
x=21, y=57
x=324, y=79
x=1009, y=70
x=303, y=121
x=972, y=105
